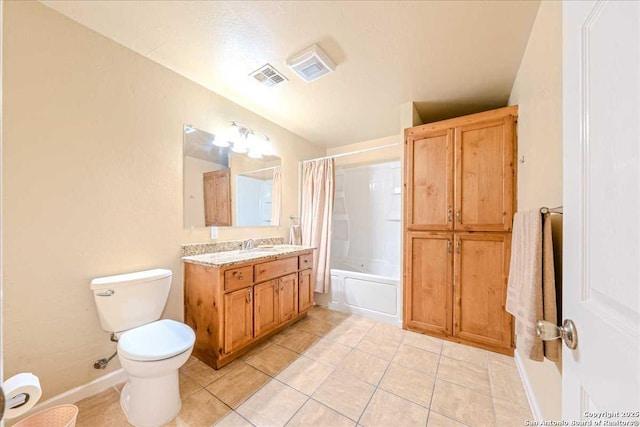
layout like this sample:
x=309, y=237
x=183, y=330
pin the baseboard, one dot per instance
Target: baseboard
x=531, y=397
x=77, y=394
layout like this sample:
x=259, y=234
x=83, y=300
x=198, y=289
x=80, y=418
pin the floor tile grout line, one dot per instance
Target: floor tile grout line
x=377, y=387
x=402, y=397
x=449, y=418
x=263, y=386
x=235, y=412
x=249, y=396
x=298, y=410
x=435, y=381
x=493, y=401
x=465, y=387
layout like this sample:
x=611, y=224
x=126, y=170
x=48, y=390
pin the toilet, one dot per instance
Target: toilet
x=150, y=350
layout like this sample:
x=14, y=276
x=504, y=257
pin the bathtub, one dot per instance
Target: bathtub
x=369, y=295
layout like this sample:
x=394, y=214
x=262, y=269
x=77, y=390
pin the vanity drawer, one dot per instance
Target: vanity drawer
x=238, y=278
x=273, y=269
x=306, y=261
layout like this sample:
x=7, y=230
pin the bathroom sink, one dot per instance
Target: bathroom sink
x=243, y=255
x=266, y=248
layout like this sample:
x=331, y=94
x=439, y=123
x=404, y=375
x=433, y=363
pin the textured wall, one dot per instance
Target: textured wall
x=92, y=176
x=538, y=92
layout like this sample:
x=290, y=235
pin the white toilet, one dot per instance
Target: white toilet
x=150, y=350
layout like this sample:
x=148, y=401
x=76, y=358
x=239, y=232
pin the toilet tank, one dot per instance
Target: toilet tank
x=130, y=300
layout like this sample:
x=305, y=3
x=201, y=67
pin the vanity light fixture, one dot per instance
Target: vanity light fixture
x=243, y=139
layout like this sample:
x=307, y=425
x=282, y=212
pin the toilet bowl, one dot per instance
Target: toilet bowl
x=150, y=350
x=151, y=356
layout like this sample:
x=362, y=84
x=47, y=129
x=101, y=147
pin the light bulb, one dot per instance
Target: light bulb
x=255, y=153
x=220, y=140
x=266, y=148
x=253, y=141
x=233, y=133
x=240, y=146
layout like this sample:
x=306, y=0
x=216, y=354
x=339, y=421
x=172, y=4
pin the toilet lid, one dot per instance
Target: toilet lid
x=156, y=341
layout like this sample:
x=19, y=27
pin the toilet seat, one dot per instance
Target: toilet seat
x=156, y=341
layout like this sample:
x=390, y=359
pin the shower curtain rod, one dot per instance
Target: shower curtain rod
x=365, y=150
x=260, y=170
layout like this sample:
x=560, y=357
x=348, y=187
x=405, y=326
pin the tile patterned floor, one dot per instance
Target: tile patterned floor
x=333, y=370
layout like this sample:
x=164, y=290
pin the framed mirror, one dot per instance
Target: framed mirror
x=225, y=188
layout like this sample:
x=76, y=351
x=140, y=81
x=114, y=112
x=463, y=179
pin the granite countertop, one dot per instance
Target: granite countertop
x=262, y=253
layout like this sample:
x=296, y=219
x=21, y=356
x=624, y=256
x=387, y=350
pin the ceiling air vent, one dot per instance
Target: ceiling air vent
x=268, y=76
x=311, y=64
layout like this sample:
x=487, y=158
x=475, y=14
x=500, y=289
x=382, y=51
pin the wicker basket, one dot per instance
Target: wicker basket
x=57, y=416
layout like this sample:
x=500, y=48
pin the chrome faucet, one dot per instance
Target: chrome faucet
x=248, y=244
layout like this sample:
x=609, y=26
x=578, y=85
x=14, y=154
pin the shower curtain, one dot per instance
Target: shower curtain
x=276, y=196
x=318, y=188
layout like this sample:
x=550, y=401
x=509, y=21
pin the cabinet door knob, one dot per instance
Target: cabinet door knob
x=240, y=277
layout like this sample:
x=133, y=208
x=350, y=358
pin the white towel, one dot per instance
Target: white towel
x=524, y=294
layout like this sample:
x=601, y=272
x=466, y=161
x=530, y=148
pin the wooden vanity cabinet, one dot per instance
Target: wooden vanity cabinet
x=288, y=297
x=238, y=319
x=305, y=290
x=233, y=308
x=266, y=314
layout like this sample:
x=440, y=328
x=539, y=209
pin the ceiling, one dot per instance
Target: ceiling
x=449, y=57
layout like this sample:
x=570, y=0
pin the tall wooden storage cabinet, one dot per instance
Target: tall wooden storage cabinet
x=459, y=205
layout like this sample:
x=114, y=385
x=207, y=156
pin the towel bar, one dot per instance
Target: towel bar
x=557, y=210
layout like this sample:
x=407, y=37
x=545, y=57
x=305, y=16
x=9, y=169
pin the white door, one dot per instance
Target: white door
x=1, y=248
x=601, y=294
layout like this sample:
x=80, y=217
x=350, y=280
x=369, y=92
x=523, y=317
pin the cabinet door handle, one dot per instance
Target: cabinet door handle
x=449, y=245
x=248, y=296
x=449, y=214
x=458, y=246
x=458, y=215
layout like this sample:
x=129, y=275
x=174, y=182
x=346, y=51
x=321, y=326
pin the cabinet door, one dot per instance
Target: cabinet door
x=428, y=291
x=288, y=297
x=238, y=319
x=480, y=288
x=217, y=197
x=265, y=307
x=305, y=290
x=485, y=176
x=429, y=180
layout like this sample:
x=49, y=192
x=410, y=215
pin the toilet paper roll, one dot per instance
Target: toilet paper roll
x=25, y=384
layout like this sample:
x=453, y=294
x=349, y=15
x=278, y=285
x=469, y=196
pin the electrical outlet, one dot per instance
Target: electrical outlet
x=214, y=232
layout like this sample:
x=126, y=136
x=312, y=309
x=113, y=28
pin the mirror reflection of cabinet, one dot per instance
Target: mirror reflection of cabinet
x=225, y=188
x=217, y=197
